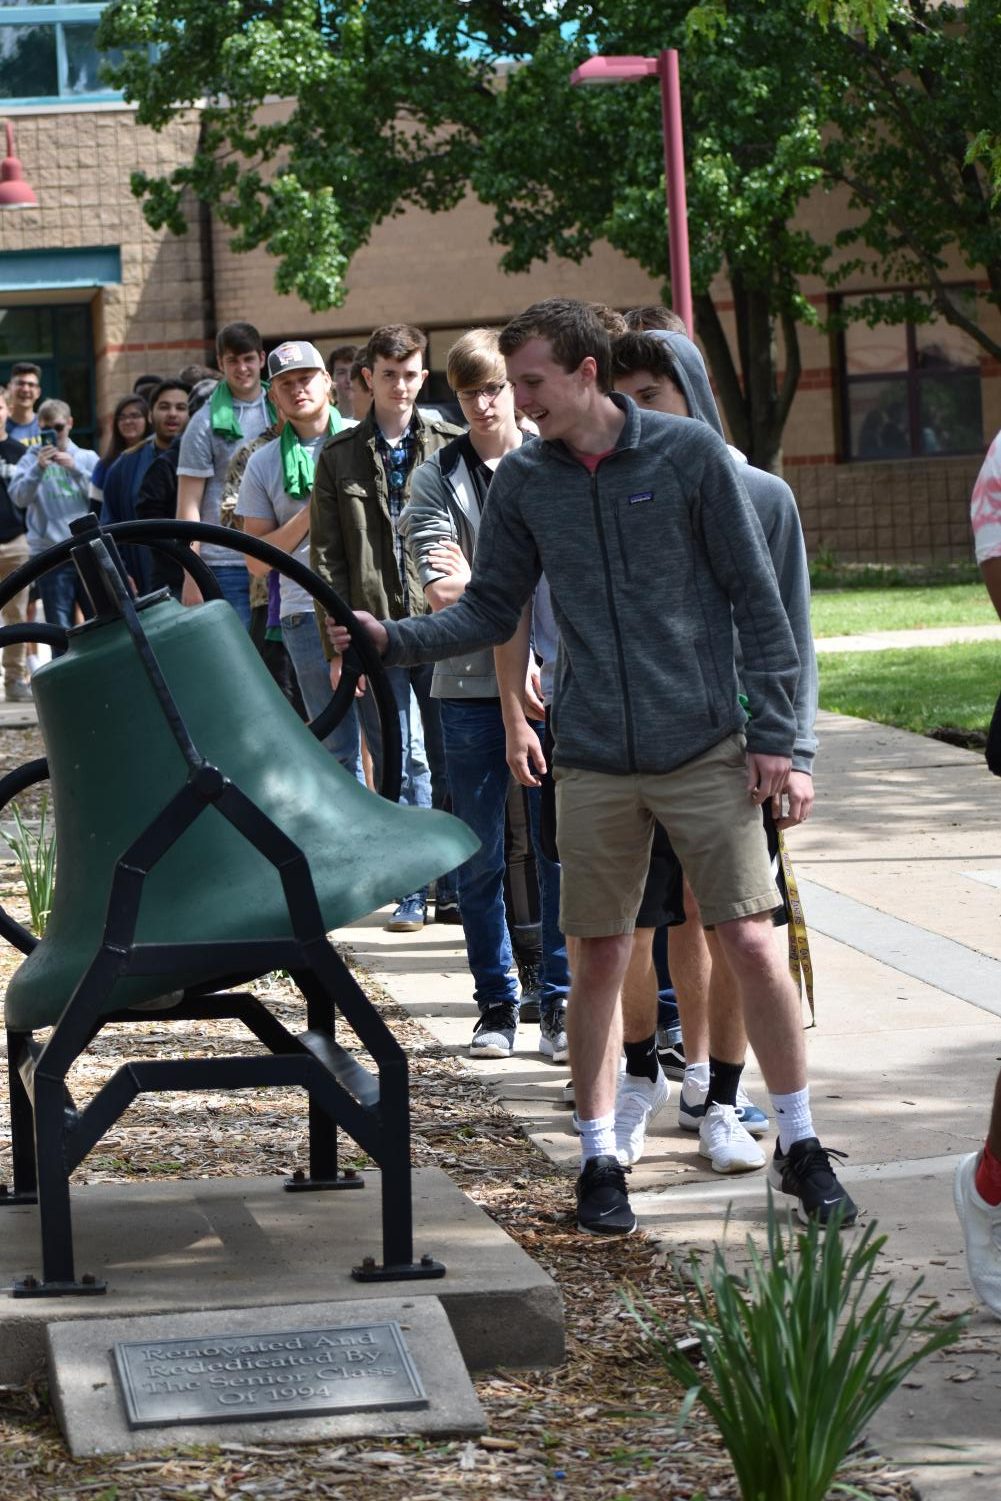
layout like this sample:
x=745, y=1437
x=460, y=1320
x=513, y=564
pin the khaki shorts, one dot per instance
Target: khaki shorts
x=605, y=828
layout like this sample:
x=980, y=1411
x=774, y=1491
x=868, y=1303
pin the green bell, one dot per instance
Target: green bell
x=113, y=765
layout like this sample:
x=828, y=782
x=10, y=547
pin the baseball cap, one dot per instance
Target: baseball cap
x=294, y=354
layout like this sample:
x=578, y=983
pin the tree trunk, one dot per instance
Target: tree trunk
x=753, y=403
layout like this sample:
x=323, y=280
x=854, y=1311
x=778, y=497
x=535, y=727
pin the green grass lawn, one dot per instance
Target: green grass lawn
x=922, y=689
x=851, y=612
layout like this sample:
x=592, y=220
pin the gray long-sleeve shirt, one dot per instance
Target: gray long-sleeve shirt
x=650, y=561
x=775, y=507
x=52, y=497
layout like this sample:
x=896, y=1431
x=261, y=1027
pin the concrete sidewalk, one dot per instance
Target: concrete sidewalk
x=950, y=635
x=900, y=873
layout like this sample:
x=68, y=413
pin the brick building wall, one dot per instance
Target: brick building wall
x=78, y=160
x=441, y=272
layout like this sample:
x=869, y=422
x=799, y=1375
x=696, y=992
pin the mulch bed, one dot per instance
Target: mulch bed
x=602, y=1425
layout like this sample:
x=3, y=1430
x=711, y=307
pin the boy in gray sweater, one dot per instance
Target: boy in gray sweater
x=653, y=554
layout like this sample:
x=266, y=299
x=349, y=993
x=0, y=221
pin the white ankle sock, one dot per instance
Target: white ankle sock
x=792, y=1115
x=697, y=1073
x=597, y=1137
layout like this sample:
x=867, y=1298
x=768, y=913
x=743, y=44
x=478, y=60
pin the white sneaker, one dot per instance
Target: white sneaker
x=692, y=1108
x=981, y=1224
x=725, y=1142
x=637, y=1103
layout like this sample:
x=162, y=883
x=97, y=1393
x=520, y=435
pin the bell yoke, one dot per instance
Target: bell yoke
x=194, y=812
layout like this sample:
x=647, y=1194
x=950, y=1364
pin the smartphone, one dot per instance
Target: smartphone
x=49, y=436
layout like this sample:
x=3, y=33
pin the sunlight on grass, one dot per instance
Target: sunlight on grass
x=922, y=689
x=850, y=612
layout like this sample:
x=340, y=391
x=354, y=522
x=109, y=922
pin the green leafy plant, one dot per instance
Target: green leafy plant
x=797, y=1353
x=35, y=851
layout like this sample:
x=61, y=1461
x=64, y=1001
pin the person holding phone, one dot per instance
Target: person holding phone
x=51, y=484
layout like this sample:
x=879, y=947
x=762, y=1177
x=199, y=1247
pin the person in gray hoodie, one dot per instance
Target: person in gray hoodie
x=664, y=371
x=653, y=553
x=440, y=523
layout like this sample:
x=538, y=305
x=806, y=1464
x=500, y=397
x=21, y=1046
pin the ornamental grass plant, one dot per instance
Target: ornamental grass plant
x=35, y=851
x=796, y=1353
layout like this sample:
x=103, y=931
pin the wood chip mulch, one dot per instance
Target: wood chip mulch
x=601, y=1426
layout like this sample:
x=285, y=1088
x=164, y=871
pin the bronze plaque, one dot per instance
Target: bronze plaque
x=257, y=1377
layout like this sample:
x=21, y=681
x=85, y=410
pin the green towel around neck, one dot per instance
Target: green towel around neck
x=223, y=417
x=297, y=460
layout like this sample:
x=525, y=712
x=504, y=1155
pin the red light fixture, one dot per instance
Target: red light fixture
x=601, y=70
x=14, y=191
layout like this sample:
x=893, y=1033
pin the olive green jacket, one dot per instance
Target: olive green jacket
x=350, y=529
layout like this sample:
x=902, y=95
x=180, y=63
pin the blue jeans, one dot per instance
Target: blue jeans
x=478, y=776
x=425, y=779
x=302, y=642
x=60, y=590
x=234, y=581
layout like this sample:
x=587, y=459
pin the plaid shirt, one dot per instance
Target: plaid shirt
x=398, y=461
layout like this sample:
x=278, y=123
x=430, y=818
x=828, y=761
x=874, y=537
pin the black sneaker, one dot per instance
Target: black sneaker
x=446, y=909
x=602, y=1201
x=805, y=1173
x=671, y=1053
x=494, y=1033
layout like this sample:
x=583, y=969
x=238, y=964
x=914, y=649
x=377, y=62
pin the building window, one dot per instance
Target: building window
x=911, y=390
x=48, y=53
x=60, y=340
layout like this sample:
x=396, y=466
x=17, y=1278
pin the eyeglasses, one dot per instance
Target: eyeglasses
x=489, y=393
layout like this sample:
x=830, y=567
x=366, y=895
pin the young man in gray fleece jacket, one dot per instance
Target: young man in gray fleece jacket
x=663, y=371
x=653, y=554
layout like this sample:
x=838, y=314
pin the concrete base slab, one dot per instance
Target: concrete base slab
x=221, y=1243
x=91, y=1413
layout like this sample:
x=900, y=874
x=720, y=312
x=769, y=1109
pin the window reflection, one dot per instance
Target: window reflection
x=912, y=390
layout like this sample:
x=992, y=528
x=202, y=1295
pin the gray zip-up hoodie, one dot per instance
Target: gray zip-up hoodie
x=775, y=507
x=443, y=507
x=645, y=560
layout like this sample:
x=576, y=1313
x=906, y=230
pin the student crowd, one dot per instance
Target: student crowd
x=594, y=620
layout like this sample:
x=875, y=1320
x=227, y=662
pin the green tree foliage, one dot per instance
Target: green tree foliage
x=400, y=102
x=915, y=110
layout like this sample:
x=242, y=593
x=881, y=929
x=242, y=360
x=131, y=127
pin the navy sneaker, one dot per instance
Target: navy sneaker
x=805, y=1174
x=692, y=1109
x=602, y=1201
x=410, y=916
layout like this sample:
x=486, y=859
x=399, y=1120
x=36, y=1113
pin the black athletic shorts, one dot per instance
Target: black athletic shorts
x=664, y=895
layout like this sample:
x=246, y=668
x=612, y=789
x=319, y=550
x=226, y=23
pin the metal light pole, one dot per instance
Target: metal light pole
x=14, y=191
x=665, y=67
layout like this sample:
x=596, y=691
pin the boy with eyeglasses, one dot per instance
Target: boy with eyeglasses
x=51, y=484
x=23, y=390
x=440, y=525
x=363, y=479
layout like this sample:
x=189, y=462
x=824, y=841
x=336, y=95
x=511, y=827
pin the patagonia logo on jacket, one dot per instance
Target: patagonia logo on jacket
x=641, y=495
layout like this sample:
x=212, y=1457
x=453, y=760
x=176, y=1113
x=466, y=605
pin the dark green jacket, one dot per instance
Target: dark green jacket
x=350, y=529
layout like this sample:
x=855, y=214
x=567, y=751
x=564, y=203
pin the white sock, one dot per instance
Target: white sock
x=792, y=1114
x=597, y=1137
x=697, y=1073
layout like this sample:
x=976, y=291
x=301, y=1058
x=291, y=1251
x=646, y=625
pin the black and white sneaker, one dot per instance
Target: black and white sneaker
x=671, y=1052
x=602, y=1201
x=494, y=1033
x=806, y=1174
